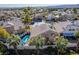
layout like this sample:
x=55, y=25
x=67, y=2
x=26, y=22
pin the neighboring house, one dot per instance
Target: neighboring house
x=69, y=12
x=42, y=29
x=69, y=30
x=38, y=23
x=9, y=27
x=38, y=18
x=50, y=18
x=60, y=26
x=17, y=24
x=14, y=26
x=76, y=23
x=66, y=17
x=74, y=26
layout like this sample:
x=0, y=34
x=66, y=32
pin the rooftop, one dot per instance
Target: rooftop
x=39, y=29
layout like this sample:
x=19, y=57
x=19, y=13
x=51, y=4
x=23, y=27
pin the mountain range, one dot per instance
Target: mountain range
x=65, y=6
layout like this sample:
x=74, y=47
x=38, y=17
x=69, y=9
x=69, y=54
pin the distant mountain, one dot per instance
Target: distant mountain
x=65, y=6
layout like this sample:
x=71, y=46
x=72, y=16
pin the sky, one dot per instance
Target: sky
x=12, y=5
x=34, y=3
x=27, y=5
x=24, y=5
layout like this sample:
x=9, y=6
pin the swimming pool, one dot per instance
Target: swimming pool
x=25, y=39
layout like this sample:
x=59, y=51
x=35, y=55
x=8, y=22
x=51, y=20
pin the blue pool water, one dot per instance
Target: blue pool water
x=25, y=39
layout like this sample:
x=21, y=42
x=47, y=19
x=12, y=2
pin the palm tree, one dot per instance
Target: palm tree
x=26, y=17
x=61, y=44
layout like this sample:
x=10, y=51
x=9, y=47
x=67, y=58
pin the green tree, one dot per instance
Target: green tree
x=65, y=9
x=75, y=10
x=38, y=41
x=14, y=42
x=2, y=18
x=61, y=44
x=77, y=36
x=27, y=19
x=4, y=33
x=72, y=52
x=3, y=48
x=26, y=14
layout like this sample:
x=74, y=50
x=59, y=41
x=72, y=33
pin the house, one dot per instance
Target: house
x=17, y=24
x=9, y=27
x=69, y=30
x=38, y=18
x=14, y=25
x=69, y=11
x=60, y=26
x=50, y=18
x=74, y=26
x=42, y=29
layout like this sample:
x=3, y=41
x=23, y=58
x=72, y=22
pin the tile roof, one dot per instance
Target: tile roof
x=39, y=29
